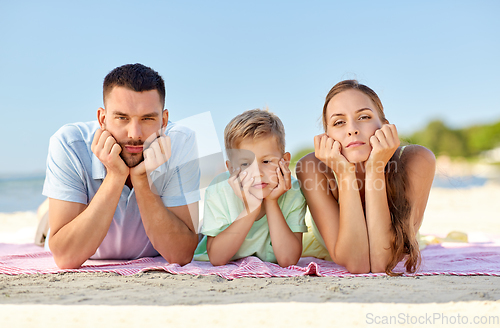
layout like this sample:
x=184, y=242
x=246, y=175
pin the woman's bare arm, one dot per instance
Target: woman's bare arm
x=343, y=228
x=420, y=166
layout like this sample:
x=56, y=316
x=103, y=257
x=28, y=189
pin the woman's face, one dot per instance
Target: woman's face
x=351, y=119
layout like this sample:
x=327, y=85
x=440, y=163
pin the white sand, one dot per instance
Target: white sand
x=18, y=227
x=254, y=315
x=158, y=298
x=468, y=210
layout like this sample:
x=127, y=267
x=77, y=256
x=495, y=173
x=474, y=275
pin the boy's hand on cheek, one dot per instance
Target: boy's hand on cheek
x=107, y=150
x=284, y=181
x=241, y=182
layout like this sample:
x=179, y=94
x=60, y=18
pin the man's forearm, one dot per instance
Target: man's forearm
x=169, y=235
x=76, y=241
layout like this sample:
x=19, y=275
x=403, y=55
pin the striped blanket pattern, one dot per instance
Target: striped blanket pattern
x=460, y=259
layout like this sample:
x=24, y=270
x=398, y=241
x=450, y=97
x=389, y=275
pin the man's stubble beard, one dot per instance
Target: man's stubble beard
x=131, y=160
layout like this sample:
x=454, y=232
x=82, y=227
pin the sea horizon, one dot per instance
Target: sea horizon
x=23, y=192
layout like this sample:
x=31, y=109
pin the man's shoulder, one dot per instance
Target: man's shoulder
x=73, y=132
x=175, y=130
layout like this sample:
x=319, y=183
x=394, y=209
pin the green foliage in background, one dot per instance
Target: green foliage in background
x=467, y=142
x=298, y=155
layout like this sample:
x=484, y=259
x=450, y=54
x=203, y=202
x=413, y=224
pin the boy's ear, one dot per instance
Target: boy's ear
x=101, y=115
x=229, y=166
x=287, y=157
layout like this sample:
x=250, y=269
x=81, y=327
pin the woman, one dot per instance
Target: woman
x=366, y=194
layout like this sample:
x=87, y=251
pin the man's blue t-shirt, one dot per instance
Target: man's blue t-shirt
x=74, y=174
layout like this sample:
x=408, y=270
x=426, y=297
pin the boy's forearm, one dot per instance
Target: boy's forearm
x=78, y=240
x=169, y=235
x=286, y=246
x=224, y=246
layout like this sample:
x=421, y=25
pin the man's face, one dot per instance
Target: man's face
x=131, y=117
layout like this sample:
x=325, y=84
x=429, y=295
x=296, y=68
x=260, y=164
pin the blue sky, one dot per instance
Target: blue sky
x=426, y=59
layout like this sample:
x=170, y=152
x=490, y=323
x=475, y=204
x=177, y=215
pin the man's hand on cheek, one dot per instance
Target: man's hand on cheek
x=107, y=150
x=284, y=181
x=157, y=151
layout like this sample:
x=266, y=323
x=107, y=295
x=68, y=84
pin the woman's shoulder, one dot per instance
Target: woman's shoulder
x=309, y=168
x=310, y=164
x=308, y=158
x=418, y=159
x=417, y=153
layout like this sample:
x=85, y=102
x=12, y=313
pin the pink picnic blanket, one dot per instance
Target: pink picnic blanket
x=462, y=259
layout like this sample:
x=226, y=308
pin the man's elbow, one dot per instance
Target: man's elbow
x=66, y=262
x=63, y=258
x=182, y=255
x=181, y=259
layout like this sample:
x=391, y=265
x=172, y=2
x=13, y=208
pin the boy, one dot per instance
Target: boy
x=260, y=209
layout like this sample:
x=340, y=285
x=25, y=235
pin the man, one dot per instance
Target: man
x=125, y=186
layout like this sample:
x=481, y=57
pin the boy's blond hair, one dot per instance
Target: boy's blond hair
x=254, y=123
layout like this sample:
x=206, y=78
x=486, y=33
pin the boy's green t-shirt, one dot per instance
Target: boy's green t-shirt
x=222, y=207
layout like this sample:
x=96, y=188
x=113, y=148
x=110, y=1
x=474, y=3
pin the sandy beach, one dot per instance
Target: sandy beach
x=161, y=298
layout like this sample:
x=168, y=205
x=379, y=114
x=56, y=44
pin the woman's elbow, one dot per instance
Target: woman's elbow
x=378, y=266
x=358, y=268
x=354, y=265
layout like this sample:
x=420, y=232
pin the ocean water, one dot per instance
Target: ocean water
x=458, y=182
x=24, y=193
x=21, y=193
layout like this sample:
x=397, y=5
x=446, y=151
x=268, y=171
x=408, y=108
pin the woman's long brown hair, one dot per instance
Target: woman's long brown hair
x=404, y=242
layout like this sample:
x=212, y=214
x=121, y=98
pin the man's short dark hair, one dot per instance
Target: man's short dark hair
x=135, y=77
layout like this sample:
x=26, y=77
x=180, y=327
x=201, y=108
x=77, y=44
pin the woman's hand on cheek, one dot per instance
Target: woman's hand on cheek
x=384, y=143
x=328, y=151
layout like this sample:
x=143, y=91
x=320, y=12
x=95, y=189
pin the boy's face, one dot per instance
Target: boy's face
x=259, y=157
